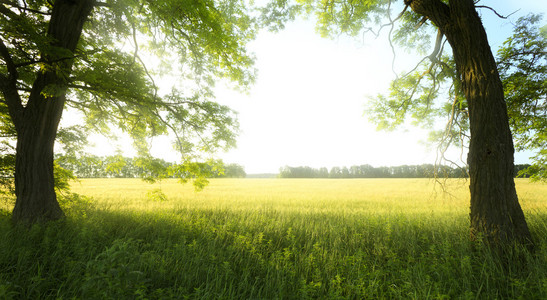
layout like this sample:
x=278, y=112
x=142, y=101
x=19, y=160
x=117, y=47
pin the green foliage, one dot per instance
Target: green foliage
x=150, y=169
x=277, y=13
x=75, y=204
x=421, y=96
x=206, y=38
x=233, y=171
x=197, y=172
x=347, y=16
x=411, y=32
x=156, y=195
x=62, y=177
x=126, y=49
x=154, y=169
x=368, y=171
x=414, y=97
x=522, y=62
x=7, y=169
x=7, y=129
x=72, y=140
x=432, y=91
x=115, y=273
x=114, y=164
x=272, y=239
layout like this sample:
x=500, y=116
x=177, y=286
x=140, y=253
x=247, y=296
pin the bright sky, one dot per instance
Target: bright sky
x=306, y=108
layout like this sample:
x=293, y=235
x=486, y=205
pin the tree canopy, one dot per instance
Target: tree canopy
x=522, y=62
x=470, y=76
x=432, y=92
x=146, y=67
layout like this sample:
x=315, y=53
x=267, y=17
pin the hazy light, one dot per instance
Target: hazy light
x=306, y=108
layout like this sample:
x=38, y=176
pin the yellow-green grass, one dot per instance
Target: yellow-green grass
x=340, y=197
x=270, y=239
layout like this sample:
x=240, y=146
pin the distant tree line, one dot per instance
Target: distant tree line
x=117, y=166
x=368, y=171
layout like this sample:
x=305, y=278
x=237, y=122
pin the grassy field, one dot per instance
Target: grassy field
x=269, y=239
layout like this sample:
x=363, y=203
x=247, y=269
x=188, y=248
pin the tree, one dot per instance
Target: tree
x=323, y=173
x=522, y=62
x=478, y=91
x=335, y=172
x=234, y=171
x=88, y=55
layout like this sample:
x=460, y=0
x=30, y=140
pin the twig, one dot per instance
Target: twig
x=497, y=14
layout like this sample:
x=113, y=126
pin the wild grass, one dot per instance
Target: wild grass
x=269, y=239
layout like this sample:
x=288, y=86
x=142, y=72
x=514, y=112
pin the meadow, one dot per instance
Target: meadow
x=269, y=239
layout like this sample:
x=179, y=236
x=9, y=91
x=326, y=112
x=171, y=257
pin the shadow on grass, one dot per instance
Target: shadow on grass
x=211, y=254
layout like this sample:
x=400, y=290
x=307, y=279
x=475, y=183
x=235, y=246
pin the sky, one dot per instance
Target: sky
x=307, y=105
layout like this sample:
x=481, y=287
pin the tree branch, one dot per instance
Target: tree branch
x=13, y=4
x=136, y=55
x=422, y=22
x=435, y=10
x=12, y=68
x=436, y=51
x=32, y=62
x=497, y=14
x=391, y=23
x=8, y=84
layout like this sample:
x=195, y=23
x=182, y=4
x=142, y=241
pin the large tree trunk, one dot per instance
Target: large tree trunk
x=34, y=182
x=37, y=122
x=495, y=214
x=495, y=209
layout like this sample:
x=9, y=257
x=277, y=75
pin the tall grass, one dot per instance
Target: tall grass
x=269, y=239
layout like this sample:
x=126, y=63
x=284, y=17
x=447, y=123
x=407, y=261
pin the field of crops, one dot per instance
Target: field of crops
x=269, y=239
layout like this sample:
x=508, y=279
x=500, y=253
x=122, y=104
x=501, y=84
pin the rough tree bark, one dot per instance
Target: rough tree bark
x=495, y=214
x=37, y=122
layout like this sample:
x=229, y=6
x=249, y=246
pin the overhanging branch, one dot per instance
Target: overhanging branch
x=12, y=68
x=497, y=14
x=25, y=8
x=391, y=22
x=8, y=84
